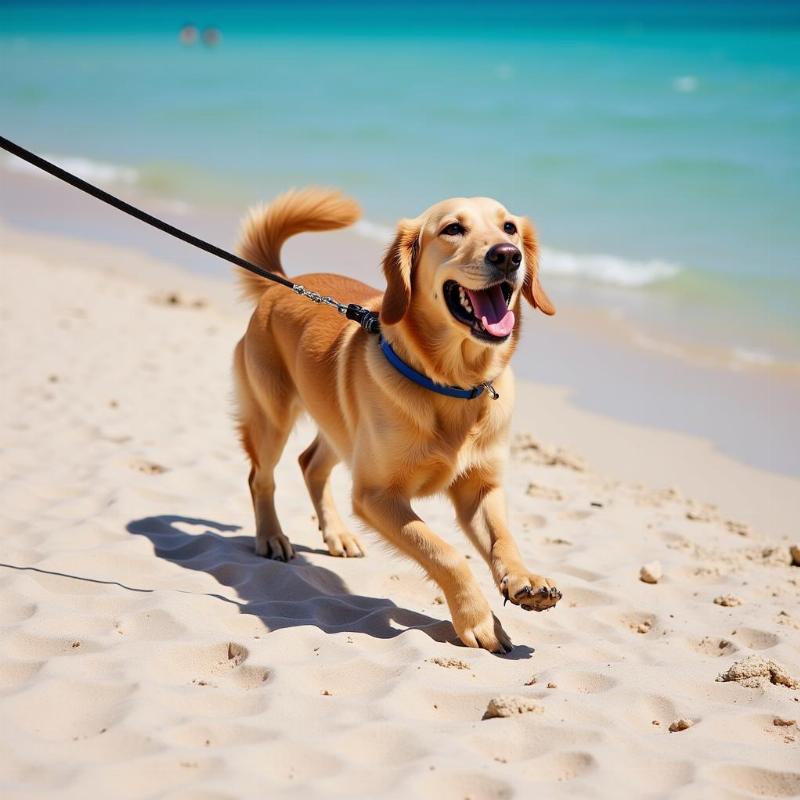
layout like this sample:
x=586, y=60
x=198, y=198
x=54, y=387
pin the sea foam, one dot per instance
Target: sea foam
x=94, y=171
x=749, y=357
x=685, y=83
x=374, y=230
x=612, y=270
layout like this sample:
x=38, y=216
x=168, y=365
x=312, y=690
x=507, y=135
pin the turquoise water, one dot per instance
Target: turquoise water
x=657, y=145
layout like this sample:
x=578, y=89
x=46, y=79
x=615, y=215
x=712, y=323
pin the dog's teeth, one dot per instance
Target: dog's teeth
x=463, y=299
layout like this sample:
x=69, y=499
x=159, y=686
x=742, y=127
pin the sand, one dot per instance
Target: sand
x=145, y=651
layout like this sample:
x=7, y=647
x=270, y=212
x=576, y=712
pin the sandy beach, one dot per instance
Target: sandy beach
x=146, y=652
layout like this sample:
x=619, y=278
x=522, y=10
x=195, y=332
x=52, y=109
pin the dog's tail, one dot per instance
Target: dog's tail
x=266, y=228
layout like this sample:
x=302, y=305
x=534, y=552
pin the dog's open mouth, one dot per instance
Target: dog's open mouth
x=486, y=310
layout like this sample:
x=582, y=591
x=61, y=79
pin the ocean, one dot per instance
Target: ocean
x=655, y=144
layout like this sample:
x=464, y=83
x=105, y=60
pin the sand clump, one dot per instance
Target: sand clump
x=755, y=672
x=449, y=663
x=511, y=706
x=710, y=513
x=651, y=573
x=680, y=725
x=541, y=492
x=739, y=528
x=727, y=600
x=528, y=449
x=702, y=513
x=148, y=467
x=717, y=561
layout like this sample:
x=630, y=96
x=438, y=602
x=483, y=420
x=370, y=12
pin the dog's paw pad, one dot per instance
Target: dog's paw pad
x=530, y=592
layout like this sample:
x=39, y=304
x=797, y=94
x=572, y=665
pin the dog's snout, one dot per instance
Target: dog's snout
x=504, y=257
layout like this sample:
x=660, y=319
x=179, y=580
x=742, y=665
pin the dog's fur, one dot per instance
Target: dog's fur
x=400, y=440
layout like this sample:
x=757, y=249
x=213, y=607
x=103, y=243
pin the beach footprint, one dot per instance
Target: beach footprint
x=210, y=665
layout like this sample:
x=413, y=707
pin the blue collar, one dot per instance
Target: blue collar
x=426, y=383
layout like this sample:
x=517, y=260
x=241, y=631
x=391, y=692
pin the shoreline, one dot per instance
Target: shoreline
x=610, y=367
x=624, y=450
x=641, y=298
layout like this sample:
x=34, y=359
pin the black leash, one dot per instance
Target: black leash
x=367, y=319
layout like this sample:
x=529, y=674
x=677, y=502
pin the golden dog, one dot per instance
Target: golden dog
x=451, y=309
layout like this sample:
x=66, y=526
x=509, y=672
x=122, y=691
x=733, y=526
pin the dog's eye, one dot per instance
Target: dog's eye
x=510, y=228
x=454, y=229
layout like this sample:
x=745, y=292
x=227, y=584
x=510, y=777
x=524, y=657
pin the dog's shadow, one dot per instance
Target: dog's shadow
x=281, y=595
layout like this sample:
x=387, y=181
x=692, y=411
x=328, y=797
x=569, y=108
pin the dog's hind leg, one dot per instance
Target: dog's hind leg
x=264, y=424
x=317, y=461
x=271, y=439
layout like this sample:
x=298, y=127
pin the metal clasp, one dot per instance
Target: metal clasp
x=489, y=388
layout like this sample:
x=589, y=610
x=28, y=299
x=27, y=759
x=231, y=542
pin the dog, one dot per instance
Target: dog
x=455, y=278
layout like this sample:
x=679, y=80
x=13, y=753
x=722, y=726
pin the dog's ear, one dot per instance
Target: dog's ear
x=398, y=263
x=531, y=288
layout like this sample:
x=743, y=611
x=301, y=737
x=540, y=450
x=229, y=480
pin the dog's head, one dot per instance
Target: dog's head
x=458, y=271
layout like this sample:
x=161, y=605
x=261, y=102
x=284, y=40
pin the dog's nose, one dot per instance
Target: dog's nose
x=504, y=257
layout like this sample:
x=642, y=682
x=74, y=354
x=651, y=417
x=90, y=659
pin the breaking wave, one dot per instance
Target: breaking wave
x=94, y=171
x=606, y=269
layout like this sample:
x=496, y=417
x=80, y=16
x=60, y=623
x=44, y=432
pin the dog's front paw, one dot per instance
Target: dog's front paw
x=531, y=592
x=484, y=631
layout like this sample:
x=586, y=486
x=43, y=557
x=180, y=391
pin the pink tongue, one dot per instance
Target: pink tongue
x=489, y=306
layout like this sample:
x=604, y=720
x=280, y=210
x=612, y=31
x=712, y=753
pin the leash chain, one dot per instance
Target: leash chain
x=367, y=319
